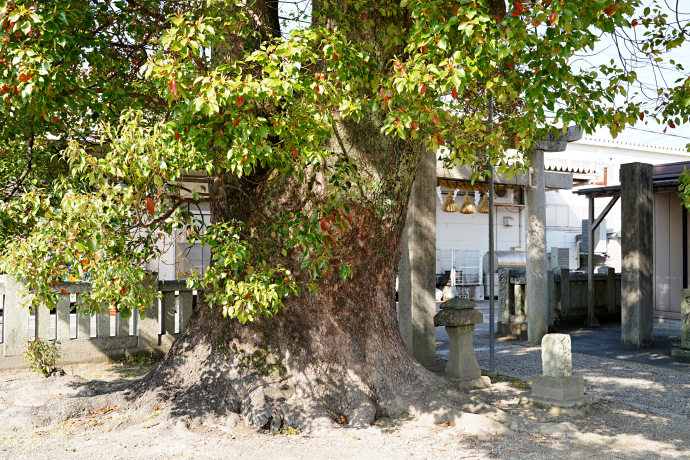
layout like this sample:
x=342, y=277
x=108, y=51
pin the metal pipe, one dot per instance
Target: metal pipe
x=491, y=249
x=590, y=261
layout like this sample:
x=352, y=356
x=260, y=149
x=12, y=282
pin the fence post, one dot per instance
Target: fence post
x=148, y=328
x=63, y=318
x=565, y=293
x=16, y=320
x=551, y=298
x=169, y=309
x=186, y=298
x=42, y=322
x=103, y=324
x=122, y=326
x=83, y=323
x=611, y=290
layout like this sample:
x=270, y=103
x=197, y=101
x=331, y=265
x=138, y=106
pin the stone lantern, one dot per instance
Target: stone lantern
x=459, y=316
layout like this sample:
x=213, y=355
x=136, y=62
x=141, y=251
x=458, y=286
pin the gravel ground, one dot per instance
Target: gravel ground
x=638, y=411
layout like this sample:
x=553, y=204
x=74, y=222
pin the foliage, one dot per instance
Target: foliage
x=42, y=356
x=115, y=112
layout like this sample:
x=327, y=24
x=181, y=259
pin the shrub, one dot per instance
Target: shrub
x=42, y=356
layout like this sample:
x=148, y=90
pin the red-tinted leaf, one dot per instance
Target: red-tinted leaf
x=123, y=291
x=609, y=10
x=641, y=115
x=173, y=87
x=236, y=122
x=177, y=136
x=515, y=14
x=436, y=119
x=325, y=225
x=240, y=101
x=553, y=17
x=454, y=93
x=363, y=16
x=536, y=22
x=414, y=126
x=671, y=124
x=519, y=7
x=150, y=206
x=320, y=89
x=422, y=89
x=54, y=119
x=24, y=77
x=64, y=291
x=634, y=23
x=335, y=56
x=517, y=142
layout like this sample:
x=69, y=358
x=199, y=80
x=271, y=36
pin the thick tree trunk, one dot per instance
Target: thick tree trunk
x=330, y=356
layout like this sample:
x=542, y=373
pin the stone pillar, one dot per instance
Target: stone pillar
x=565, y=293
x=417, y=271
x=551, y=299
x=684, y=350
x=15, y=320
x=637, y=274
x=504, y=295
x=558, y=386
x=459, y=317
x=537, y=316
x=611, y=290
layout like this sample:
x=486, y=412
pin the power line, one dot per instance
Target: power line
x=658, y=133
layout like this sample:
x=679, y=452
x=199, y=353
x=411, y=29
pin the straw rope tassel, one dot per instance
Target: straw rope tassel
x=467, y=205
x=483, y=205
x=449, y=205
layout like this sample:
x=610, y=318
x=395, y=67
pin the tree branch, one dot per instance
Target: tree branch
x=24, y=174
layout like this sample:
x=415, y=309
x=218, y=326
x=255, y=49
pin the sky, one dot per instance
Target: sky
x=651, y=132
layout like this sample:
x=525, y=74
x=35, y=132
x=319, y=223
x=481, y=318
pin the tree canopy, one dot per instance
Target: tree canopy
x=109, y=107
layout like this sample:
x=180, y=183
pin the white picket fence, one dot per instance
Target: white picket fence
x=85, y=338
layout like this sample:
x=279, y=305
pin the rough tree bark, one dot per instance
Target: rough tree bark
x=331, y=356
x=334, y=356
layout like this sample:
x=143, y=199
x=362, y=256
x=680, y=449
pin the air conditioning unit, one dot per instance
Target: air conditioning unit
x=504, y=196
x=565, y=257
x=599, y=237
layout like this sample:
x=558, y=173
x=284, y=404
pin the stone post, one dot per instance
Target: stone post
x=637, y=274
x=551, y=298
x=537, y=316
x=15, y=320
x=459, y=317
x=684, y=350
x=565, y=293
x=417, y=271
x=504, y=295
x=611, y=290
x=558, y=386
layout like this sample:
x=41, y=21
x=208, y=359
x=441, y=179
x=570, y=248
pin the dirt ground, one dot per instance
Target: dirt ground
x=610, y=429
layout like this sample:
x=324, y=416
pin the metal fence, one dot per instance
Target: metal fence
x=86, y=338
x=458, y=271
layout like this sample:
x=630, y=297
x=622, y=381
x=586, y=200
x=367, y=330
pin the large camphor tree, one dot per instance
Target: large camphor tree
x=307, y=122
